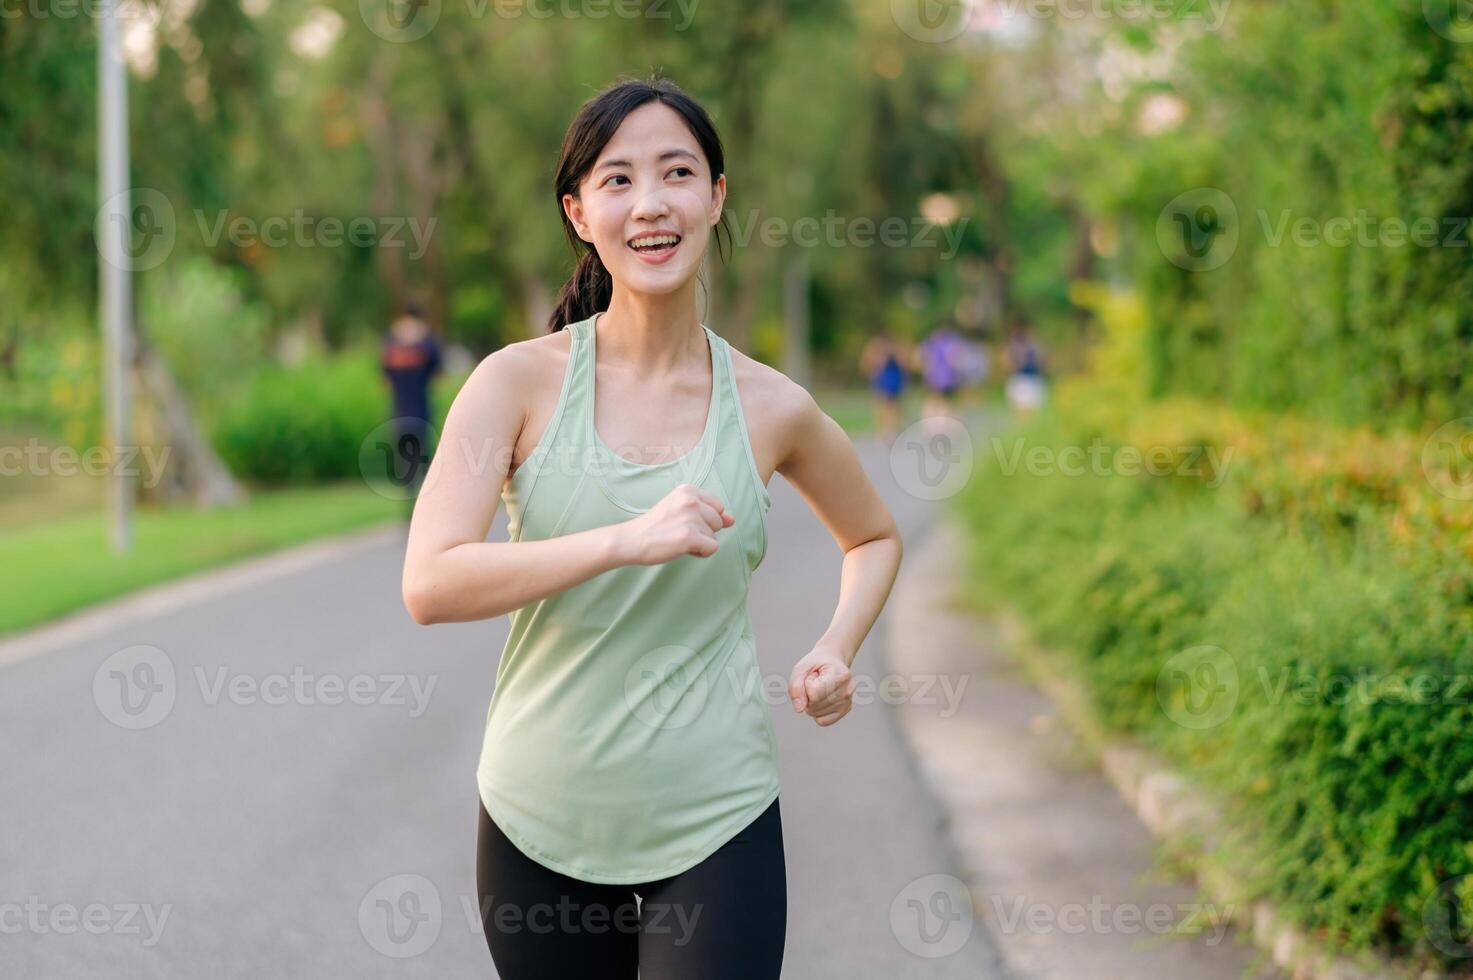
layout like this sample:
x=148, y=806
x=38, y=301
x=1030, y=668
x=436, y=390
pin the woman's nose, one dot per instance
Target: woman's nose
x=652, y=204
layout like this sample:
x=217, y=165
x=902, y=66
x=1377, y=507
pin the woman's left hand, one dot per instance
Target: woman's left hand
x=822, y=685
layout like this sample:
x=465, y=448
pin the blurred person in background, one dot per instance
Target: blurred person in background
x=942, y=359
x=410, y=359
x=1026, y=388
x=974, y=364
x=883, y=362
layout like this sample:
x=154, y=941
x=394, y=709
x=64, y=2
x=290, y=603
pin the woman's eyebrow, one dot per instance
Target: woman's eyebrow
x=668, y=154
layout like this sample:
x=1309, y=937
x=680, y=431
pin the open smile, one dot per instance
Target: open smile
x=655, y=247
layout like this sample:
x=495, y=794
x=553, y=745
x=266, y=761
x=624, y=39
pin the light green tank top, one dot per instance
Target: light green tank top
x=628, y=736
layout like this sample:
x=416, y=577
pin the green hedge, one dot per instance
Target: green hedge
x=1350, y=805
x=308, y=422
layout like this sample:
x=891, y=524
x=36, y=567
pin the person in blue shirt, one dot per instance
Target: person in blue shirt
x=883, y=361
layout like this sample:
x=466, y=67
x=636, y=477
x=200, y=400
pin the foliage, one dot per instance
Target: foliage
x=195, y=314
x=1331, y=302
x=304, y=423
x=1343, y=660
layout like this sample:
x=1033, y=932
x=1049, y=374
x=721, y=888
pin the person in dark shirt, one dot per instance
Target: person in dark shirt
x=411, y=357
x=1026, y=387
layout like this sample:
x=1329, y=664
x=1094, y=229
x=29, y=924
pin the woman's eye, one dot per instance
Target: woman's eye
x=681, y=170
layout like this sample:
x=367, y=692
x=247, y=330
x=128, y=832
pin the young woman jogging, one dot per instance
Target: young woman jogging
x=629, y=816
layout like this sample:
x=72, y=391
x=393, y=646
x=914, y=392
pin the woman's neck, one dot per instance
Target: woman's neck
x=655, y=336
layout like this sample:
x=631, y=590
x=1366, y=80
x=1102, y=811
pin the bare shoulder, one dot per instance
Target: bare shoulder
x=524, y=360
x=778, y=410
x=519, y=384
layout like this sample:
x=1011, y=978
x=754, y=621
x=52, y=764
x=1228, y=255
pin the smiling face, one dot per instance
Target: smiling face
x=649, y=203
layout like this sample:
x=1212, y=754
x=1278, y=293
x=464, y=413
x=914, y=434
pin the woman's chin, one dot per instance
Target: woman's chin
x=656, y=279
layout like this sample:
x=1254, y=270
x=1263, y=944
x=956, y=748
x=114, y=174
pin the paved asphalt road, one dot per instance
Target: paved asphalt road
x=243, y=827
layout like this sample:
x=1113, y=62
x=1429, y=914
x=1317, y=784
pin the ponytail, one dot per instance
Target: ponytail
x=587, y=291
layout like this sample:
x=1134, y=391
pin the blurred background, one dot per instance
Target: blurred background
x=1193, y=276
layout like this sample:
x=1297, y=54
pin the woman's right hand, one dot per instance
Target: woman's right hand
x=684, y=522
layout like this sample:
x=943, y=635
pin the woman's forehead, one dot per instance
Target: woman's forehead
x=647, y=132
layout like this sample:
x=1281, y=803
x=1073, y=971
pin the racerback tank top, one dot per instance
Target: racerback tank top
x=628, y=736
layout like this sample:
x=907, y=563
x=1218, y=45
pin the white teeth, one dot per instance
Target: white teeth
x=654, y=240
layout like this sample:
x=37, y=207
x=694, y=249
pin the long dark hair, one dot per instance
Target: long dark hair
x=590, y=288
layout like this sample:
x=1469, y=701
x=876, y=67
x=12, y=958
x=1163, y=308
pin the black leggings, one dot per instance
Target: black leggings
x=724, y=918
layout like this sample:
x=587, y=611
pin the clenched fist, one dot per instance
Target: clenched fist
x=684, y=522
x=821, y=685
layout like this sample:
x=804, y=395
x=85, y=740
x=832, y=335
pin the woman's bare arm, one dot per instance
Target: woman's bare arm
x=451, y=572
x=824, y=468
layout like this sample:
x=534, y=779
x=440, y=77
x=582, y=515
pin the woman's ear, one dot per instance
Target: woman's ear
x=718, y=198
x=573, y=208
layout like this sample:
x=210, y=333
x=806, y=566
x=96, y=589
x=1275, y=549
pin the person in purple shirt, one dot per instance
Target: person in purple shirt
x=943, y=355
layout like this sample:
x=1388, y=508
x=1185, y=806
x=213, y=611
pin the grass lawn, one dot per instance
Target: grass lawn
x=64, y=564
